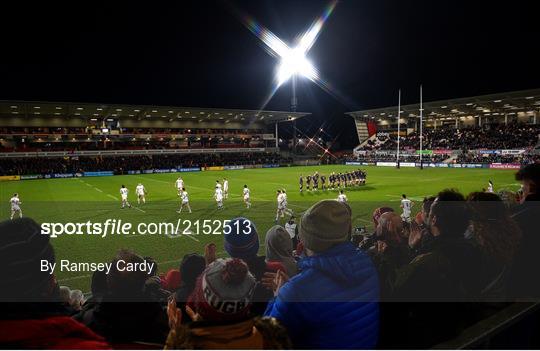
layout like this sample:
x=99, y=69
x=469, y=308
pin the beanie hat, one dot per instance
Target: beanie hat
x=224, y=291
x=325, y=224
x=22, y=247
x=241, y=238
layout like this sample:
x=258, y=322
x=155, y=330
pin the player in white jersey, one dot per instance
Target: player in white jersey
x=406, y=206
x=342, y=197
x=15, y=203
x=124, y=195
x=225, y=188
x=246, y=196
x=281, y=203
x=218, y=185
x=286, y=209
x=185, y=201
x=179, y=184
x=140, y=190
x=218, y=195
x=490, y=187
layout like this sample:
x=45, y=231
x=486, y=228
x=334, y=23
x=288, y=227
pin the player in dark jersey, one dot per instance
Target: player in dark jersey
x=308, y=182
x=316, y=181
x=301, y=181
x=323, y=182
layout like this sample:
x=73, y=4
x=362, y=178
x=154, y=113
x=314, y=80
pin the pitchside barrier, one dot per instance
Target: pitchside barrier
x=239, y=167
x=438, y=165
x=130, y=172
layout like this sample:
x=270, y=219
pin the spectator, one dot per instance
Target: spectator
x=220, y=308
x=526, y=215
x=243, y=242
x=498, y=237
x=279, y=249
x=420, y=238
x=447, y=272
x=367, y=242
x=332, y=302
x=391, y=251
x=32, y=315
x=125, y=314
x=191, y=267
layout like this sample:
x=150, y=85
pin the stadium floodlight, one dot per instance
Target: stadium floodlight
x=293, y=60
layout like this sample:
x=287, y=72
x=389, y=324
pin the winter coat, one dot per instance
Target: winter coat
x=332, y=302
x=59, y=333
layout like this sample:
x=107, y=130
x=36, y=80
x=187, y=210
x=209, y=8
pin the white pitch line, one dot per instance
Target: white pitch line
x=112, y=197
x=97, y=189
x=191, y=237
x=138, y=209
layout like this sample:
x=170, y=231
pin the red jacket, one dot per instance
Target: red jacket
x=60, y=333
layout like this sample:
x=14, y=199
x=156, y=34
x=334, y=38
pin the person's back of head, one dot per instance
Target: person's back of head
x=99, y=284
x=65, y=294
x=493, y=228
x=223, y=292
x=530, y=177
x=390, y=229
x=23, y=249
x=241, y=239
x=124, y=283
x=191, y=267
x=449, y=215
x=324, y=225
x=378, y=212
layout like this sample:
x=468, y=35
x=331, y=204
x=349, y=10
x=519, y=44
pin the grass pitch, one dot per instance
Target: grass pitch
x=97, y=199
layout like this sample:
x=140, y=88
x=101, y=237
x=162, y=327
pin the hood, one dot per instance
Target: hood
x=343, y=263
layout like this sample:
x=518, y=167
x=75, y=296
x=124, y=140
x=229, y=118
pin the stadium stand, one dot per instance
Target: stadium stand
x=44, y=138
x=505, y=124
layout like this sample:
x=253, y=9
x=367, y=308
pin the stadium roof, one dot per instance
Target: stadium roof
x=95, y=110
x=510, y=103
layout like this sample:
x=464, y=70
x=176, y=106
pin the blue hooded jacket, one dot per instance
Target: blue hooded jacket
x=332, y=303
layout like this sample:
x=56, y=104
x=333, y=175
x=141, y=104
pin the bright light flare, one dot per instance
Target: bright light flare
x=295, y=62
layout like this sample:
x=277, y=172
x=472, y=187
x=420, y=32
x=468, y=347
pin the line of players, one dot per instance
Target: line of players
x=334, y=180
x=221, y=193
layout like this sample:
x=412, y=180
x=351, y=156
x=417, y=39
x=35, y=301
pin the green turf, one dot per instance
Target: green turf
x=92, y=198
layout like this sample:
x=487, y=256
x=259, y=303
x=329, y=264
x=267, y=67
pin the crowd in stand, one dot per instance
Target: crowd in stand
x=123, y=164
x=82, y=130
x=103, y=143
x=372, y=157
x=406, y=285
x=523, y=159
x=512, y=136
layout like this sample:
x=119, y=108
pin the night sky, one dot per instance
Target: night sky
x=198, y=53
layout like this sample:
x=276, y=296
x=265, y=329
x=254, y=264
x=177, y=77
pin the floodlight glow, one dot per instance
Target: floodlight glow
x=293, y=60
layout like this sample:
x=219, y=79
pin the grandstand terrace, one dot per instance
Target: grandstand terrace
x=48, y=126
x=454, y=127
